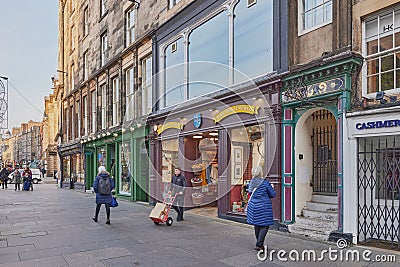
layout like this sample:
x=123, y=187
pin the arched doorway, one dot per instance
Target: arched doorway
x=315, y=156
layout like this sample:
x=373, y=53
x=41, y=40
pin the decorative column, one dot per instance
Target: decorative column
x=341, y=108
x=288, y=167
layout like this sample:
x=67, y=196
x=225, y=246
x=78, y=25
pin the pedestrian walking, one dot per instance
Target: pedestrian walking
x=17, y=179
x=178, y=185
x=4, y=177
x=259, y=207
x=103, y=185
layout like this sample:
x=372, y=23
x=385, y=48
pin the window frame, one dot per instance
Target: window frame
x=85, y=115
x=103, y=89
x=85, y=66
x=172, y=3
x=146, y=87
x=78, y=112
x=94, y=110
x=130, y=94
x=301, y=13
x=380, y=54
x=130, y=27
x=115, y=100
x=86, y=21
x=103, y=8
x=104, y=48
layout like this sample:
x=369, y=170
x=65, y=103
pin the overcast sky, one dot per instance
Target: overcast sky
x=28, y=55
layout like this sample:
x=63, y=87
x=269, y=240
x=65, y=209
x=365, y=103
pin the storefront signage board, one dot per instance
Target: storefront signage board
x=235, y=110
x=169, y=125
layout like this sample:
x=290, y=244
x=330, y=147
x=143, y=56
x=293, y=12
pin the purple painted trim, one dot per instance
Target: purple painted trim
x=288, y=180
x=288, y=204
x=288, y=114
x=288, y=149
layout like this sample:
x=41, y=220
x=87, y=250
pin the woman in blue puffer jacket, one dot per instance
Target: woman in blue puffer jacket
x=259, y=208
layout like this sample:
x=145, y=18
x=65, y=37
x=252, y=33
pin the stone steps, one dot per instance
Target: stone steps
x=319, y=218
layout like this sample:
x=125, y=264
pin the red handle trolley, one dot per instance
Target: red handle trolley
x=159, y=214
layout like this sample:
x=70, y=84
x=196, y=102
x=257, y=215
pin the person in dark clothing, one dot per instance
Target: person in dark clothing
x=17, y=179
x=4, y=177
x=178, y=185
x=28, y=173
x=103, y=198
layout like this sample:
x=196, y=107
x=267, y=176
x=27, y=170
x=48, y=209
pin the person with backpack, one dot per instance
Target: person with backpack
x=103, y=185
x=4, y=177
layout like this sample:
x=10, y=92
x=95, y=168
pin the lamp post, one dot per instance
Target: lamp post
x=3, y=104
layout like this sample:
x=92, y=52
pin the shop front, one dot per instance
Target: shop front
x=72, y=168
x=217, y=143
x=374, y=148
x=314, y=103
x=124, y=154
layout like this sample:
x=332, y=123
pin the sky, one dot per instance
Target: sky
x=28, y=55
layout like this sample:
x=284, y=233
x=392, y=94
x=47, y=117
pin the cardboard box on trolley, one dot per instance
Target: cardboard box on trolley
x=159, y=211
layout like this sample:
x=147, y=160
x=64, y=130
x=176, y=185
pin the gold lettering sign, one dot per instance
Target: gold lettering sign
x=234, y=110
x=169, y=125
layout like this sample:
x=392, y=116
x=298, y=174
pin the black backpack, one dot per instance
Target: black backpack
x=104, y=185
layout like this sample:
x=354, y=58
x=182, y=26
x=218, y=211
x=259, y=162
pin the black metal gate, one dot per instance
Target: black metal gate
x=324, y=154
x=379, y=190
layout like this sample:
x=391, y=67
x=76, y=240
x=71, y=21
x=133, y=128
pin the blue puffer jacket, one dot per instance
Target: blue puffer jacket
x=259, y=209
x=102, y=199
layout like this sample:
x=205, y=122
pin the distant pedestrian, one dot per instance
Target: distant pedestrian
x=4, y=177
x=259, y=207
x=103, y=185
x=28, y=173
x=17, y=179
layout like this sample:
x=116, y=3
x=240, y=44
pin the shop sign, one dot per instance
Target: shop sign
x=377, y=124
x=197, y=120
x=234, y=110
x=304, y=92
x=169, y=125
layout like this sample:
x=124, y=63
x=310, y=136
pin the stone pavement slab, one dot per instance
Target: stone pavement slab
x=53, y=227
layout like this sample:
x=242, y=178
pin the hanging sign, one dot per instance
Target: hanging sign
x=234, y=110
x=169, y=125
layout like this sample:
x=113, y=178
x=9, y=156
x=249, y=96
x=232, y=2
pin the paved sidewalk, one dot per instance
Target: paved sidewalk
x=53, y=227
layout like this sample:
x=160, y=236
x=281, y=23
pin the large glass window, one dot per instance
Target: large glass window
x=86, y=21
x=104, y=48
x=247, y=151
x=209, y=42
x=78, y=114
x=382, y=53
x=173, y=3
x=125, y=168
x=85, y=115
x=102, y=156
x=85, y=66
x=103, y=106
x=253, y=56
x=174, y=73
x=314, y=14
x=146, y=85
x=94, y=111
x=115, y=84
x=103, y=7
x=129, y=85
x=130, y=26
x=169, y=159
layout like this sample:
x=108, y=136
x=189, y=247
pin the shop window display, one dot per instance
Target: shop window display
x=205, y=167
x=247, y=151
x=101, y=156
x=169, y=161
x=125, y=167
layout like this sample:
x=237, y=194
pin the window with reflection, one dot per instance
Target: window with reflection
x=125, y=167
x=174, y=73
x=209, y=43
x=382, y=52
x=253, y=55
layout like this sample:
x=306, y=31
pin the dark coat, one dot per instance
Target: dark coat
x=4, y=174
x=259, y=208
x=103, y=199
x=178, y=184
x=17, y=177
